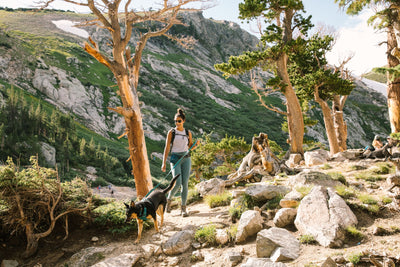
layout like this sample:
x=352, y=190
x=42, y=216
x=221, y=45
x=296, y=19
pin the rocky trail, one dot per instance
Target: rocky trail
x=380, y=231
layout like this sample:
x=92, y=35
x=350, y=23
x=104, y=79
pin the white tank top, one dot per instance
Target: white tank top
x=180, y=143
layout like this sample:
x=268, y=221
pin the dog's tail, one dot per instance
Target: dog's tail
x=171, y=185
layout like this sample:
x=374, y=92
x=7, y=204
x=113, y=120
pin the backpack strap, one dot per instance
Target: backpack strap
x=173, y=136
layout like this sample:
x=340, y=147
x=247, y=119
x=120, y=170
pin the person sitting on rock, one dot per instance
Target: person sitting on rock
x=377, y=143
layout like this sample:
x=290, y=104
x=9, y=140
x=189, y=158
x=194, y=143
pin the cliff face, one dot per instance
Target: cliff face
x=50, y=63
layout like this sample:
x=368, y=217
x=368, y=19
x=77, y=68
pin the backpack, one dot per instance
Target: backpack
x=173, y=136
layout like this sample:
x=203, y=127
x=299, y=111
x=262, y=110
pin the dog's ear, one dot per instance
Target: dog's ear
x=132, y=203
x=126, y=205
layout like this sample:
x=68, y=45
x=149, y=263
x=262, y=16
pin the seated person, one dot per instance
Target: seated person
x=377, y=143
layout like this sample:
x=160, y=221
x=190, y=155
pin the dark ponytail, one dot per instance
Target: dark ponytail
x=180, y=114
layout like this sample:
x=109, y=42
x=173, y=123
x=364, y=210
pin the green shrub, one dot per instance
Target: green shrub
x=307, y=239
x=382, y=168
x=354, y=258
x=206, y=234
x=304, y=190
x=326, y=166
x=232, y=231
x=338, y=176
x=219, y=200
x=354, y=232
x=386, y=200
x=368, y=176
x=113, y=216
x=193, y=196
x=345, y=192
x=272, y=203
x=367, y=199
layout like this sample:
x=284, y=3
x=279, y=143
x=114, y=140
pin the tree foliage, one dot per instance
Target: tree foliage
x=34, y=199
x=211, y=159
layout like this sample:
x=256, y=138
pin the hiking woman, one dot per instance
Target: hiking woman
x=178, y=142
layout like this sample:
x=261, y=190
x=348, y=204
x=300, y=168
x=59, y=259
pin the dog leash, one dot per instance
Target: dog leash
x=170, y=171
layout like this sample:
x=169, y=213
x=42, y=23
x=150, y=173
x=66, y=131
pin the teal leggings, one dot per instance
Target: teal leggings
x=183, y=168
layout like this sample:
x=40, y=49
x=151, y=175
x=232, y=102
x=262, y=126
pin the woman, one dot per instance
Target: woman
x=178, y=142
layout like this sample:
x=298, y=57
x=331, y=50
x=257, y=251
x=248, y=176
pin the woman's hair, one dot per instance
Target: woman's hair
x=180, y=114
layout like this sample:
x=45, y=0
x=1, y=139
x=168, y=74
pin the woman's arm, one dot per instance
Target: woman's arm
x=166, y=150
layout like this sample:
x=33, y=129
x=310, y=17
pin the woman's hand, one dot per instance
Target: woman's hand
x=163, y=167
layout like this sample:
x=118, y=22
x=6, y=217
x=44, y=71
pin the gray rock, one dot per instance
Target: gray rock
x=210, y=187
x=329, y=263
x=121, y=260
x=250, y=223
x=88, y=256
x=285, y=217
x=49, y=153
x=9, y=263
x=316, y=157
x=232, y=258
x=262, y=262
x=313, y=178
x=278, y=244
x=178, y=243
x=324, y=215
x=265, y=191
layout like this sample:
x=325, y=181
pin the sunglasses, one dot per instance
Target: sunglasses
x=179, y=121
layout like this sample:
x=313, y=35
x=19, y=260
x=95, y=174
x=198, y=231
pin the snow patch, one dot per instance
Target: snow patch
x=69, y=26
x=377, y=86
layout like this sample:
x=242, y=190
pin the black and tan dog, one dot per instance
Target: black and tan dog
x=148, y=207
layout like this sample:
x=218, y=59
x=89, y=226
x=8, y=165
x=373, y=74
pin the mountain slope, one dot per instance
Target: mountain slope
x=51, y=65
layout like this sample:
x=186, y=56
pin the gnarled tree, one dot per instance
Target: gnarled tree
x=120, y=18
x=386, y=17
x=34, y=199
x=285, y=26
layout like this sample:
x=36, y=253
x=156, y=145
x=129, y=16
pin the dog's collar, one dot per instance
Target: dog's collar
x=143, y=214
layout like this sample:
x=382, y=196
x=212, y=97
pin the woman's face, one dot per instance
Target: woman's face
x=178, y=121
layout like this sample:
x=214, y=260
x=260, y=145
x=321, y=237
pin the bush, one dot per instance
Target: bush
x=354, y=232
x=206, y=234
x=338, y=176
x=307, y=239
x=219, y=200
x=345, y=192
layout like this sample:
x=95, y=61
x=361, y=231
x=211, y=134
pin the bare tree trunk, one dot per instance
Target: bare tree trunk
x=32, y=242
x=329, y=125
x=339, y=122
x=393, y=90
x=295, y=114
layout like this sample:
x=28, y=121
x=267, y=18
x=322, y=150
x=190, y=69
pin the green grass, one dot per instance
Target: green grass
x=338, y=176
x=354, y=232
x=345, y=191
x=206, y=234
x=367, y=199
x=219, y=200
x=307, y=239
x=354, y=258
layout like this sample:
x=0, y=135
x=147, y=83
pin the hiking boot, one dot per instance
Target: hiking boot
x=168, y=206
x=183, y=211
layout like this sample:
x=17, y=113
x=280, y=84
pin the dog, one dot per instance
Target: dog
x=149, y=207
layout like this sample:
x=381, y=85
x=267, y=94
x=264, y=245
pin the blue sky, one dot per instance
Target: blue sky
x=354, y=35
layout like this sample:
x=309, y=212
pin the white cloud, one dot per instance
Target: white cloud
x=361, y=40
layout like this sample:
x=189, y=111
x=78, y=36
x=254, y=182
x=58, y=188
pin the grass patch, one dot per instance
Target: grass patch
x=382, y=168
x=354, y=233
x=206, y=234
x=232, y=231
x=357, y=168
x=386, y=200
x=304, y=190
x=368, y=176
x=367, y=199
x=307, y=239
x=272, y=203
x=338, y=176
x=219, y=200
x=345, y=191
x=354, y=258
x=193, y=196
x=326, y=166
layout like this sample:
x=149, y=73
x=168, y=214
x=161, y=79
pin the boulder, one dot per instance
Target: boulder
x=285, y=217
x=127, y=259
x=250, y=223
x=210, y=187
x=266, y=191
x=262, y=262
x=178, y=243
x=324, y=215
x=221, y=236
x=316, y=157
x=294, y=160
x=277, y=244
x=309, y=177
x=232, y=258
x=49, y=153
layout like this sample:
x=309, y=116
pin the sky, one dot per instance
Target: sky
x=355, y=37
